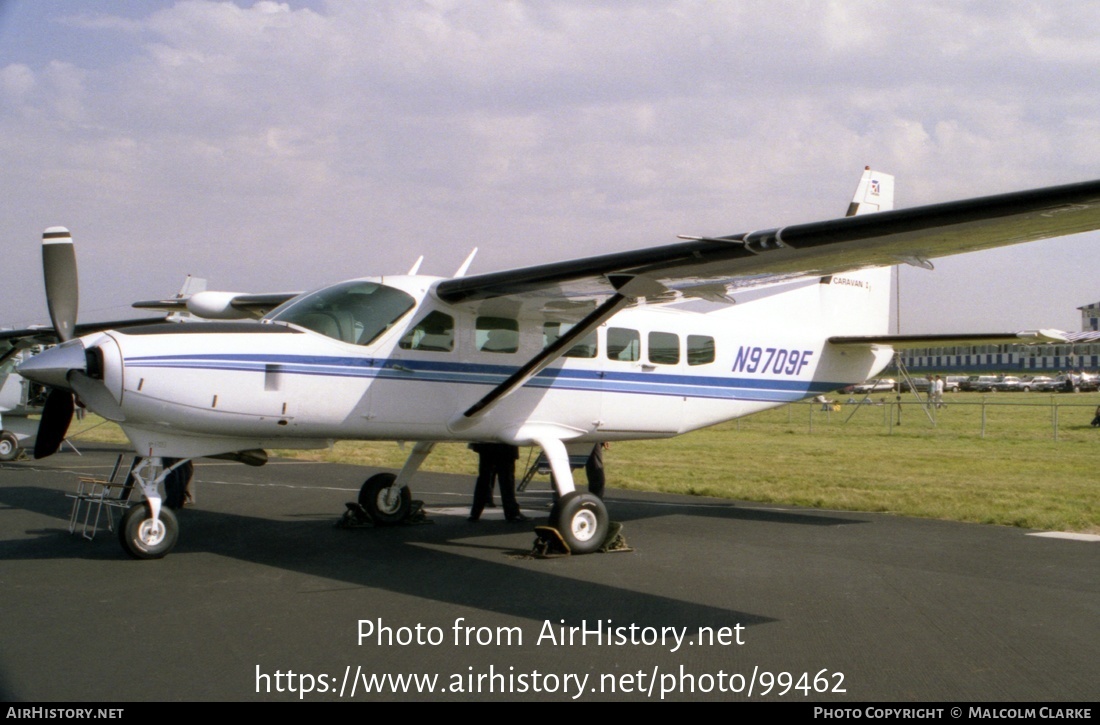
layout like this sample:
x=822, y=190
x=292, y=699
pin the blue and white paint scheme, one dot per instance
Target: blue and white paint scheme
x=649, y=343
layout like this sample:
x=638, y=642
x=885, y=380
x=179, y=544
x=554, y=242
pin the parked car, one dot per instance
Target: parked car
x=1008, y=384
x=1040, y=384
x=979, y=383
x=1079, y=383
x=884, y=385
x=952, y=383
x=921, y=385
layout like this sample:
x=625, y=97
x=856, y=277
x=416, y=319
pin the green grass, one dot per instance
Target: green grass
x=1016, y=474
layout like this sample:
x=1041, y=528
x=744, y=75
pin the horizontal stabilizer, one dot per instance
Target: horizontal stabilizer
x=902, y=342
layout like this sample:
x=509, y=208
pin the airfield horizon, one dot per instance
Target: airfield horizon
x=1011, y=459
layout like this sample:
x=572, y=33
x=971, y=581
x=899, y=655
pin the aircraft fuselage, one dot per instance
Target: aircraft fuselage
x=650, y=371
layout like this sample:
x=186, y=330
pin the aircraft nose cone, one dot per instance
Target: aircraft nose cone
x=51, y=367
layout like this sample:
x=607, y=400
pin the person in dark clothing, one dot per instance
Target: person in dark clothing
x=1096, y=418
x=593, y=470
x=177, y=483
x=496, y=461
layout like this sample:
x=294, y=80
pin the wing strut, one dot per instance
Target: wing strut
x=549, y=354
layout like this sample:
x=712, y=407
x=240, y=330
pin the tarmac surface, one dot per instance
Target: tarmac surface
x=265, y=599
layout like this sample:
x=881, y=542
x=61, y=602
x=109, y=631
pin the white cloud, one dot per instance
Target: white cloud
x=16, y=80
x=279, y=145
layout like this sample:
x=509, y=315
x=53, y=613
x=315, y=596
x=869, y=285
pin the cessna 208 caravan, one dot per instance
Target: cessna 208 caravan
x=555, y=355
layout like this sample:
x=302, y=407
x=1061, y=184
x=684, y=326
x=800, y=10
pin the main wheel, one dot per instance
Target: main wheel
x=383, y=503
x=141, y=538
x=9, y=446
x=581, y=518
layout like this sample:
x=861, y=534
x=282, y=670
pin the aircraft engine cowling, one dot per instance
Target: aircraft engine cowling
x=99, y=384
x=212, y=305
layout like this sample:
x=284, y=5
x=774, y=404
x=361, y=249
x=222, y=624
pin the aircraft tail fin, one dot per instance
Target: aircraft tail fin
x=874, y=193
x=860, y=300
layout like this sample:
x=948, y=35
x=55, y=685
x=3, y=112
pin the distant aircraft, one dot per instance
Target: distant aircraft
x=595, y=349
x=19, y=399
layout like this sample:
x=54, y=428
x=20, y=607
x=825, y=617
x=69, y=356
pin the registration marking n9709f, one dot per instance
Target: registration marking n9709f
x=775, y=360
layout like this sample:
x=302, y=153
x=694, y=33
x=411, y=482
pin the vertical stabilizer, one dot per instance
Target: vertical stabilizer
x=874, y=193
x=860, y=300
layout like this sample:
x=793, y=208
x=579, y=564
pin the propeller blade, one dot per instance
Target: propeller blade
x=56, y=416
x=59, y=268
x=94, y=394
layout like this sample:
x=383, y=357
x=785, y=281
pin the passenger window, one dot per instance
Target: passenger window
x=586, y=347
x=700, y=349
x=664, y=348
x=497, y=334
x=623, y=344
x=434, y=333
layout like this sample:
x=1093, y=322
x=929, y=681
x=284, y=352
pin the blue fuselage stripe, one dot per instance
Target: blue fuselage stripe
x=608, y=381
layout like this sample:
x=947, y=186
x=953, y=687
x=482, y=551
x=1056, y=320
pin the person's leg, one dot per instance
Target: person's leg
x=593, y=469
x=483, y=487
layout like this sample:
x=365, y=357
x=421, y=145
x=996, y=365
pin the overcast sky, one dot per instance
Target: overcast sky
x=282, y=146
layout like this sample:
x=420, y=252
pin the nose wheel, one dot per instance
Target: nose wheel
x=145, y=538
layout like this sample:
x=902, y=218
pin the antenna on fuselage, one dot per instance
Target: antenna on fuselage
x=416, y=265
x=466, y=265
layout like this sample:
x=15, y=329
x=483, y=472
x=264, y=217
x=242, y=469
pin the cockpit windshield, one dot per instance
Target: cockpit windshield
x=355, y=312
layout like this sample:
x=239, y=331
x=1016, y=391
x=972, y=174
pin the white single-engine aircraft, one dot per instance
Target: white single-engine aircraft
x=576, y=352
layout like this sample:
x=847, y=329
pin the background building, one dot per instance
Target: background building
x=1082, y=353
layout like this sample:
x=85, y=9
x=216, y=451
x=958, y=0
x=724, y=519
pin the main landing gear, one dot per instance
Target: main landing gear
x=9, y=446
x=385, y=499
x=385, y=503
x=581, y=521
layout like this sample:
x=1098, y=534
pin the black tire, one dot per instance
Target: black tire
x=381, y=504
x=9, y=446
x=140, y=540
x=582, y=520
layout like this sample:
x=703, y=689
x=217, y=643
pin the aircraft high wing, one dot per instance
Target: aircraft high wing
x=575, y=352
x=909, y=236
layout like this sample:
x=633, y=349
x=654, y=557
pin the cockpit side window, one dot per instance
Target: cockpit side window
x=354, y=312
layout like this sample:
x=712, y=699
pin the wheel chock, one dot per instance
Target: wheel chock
x=356, y=517
x=615, y=540
x=549, y=543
